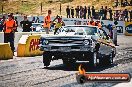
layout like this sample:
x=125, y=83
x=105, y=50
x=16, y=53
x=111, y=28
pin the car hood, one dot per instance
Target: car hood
x=67, y=36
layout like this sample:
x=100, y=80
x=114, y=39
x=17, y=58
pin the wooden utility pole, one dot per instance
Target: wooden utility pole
x=41, y=7
x=60, y=6
x=2, y=9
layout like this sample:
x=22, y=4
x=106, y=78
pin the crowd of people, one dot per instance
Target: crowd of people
x=103, y=13
x=122, y=3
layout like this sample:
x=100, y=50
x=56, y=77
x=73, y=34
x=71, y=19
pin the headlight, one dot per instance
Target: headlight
x=86, y=42
x=46, y=42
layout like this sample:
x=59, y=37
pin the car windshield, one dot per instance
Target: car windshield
x=79, y=30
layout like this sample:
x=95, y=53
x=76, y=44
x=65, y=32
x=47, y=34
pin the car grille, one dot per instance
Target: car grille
x=79, y=42
x=54, y=47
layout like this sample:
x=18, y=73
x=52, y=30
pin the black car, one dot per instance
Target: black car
x=78, y=43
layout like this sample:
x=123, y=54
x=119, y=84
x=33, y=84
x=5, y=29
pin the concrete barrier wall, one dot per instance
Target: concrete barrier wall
x=5, y=53
x=18, y=35
x=29, y=46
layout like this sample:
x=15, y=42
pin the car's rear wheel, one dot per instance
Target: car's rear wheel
x=46, y=58
x=108, y=60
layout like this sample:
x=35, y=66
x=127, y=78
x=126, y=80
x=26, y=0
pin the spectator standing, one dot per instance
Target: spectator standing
x=85, y=12
x=89, y=13
x=9, y=26
x=110, y=12
x=97, y=23
x=47, y=22
x=126, y=14
x=16, y=24
x=110, y=27
x=1, y=25
x=105, y=13
x=121, y=16
x=93, y=12
x=77, y=11
x=101, y=13
x=115, y=33
x=59, y=24
x=2, y=22
x=72, y=12
x=131, y=3
x=68, y=12
x=33, y=20
x=26, y=25
x=116, y=3
x=122, y=4
x=130, y=15
x=81, y=11
x=91, y=22
x=116, y=15
x=126, y=3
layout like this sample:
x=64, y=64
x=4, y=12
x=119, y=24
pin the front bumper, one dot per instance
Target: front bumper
x=66, y=48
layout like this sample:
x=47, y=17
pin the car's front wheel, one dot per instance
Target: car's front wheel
x=93, y=60
x=46, y=58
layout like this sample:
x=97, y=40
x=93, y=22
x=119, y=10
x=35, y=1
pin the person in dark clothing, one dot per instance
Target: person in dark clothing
x=16, y=24
x=110, y=31
x=130, y=15
x=81, y=11
x=116, y=3
x=9, y=26
x=85, y=12
x=101, y=13
x=131, y=3
x=116, y=15
x=2, y=22
x=1, y=25
x=82, y=14
x=89, y=13
x=122, y=4
x=33, y=20
x=105, y=13
x=126, y=14
x=72, y=12
x=26, y=25
x=110, y=12
x=77, y=11
x=126, y=3
x=93, y=12
x=68, y=12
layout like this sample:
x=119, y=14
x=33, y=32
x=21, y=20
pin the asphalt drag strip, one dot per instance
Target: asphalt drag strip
x=30, y=72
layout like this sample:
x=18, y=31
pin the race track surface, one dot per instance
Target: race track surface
x=30, y=72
